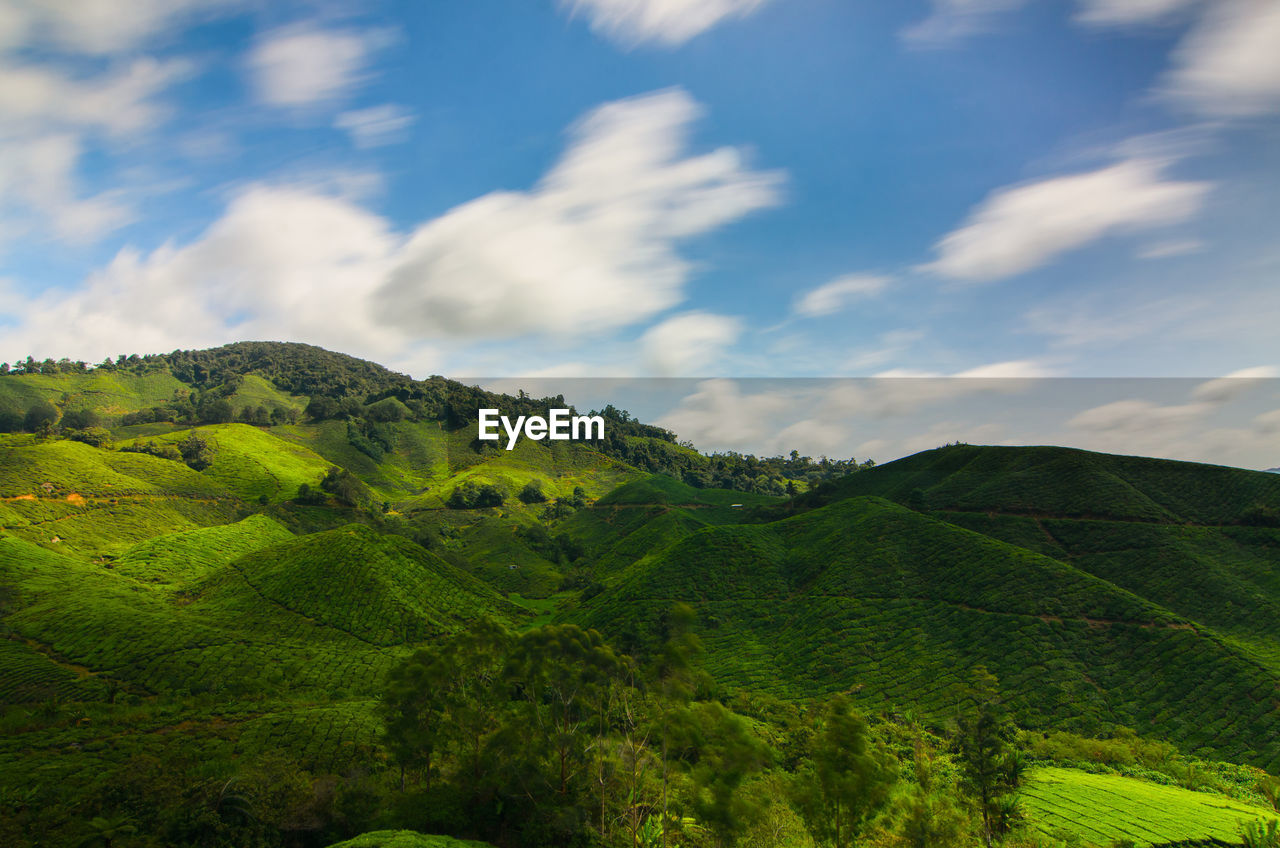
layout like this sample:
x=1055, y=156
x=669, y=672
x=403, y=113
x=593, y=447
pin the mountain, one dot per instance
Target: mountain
x=210, y=561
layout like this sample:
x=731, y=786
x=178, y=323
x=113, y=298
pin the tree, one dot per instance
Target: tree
x=928, y=816
x=724, y=753
x=196, y=452
x=847, y=780
x=532, y=492
x=40, y=417
x=344, y=486
x=991, y=768
x=676, y=676
x=217, y=411
x=80, y=419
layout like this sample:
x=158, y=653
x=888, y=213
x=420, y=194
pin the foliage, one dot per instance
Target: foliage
x=847, y=780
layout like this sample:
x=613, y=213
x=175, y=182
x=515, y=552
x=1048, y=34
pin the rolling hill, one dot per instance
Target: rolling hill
x=247, y=603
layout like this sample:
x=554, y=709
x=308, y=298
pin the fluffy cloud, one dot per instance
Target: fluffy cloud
x=686, y=344
x=377, y=125
x=592, y=247
x=1229, y=66
x=280, y=263
x=1020, y=228
x=666, y=22
x=301, y=65
x=839, y=293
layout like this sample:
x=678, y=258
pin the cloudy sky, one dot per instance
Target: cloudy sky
x=677, y=188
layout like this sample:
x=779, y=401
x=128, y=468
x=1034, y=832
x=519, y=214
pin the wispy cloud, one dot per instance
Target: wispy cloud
x=1022, y=227
x=1228, y=65
x=593, y=246
x=376, y=126
x=669, y=23
x=839, y=293
x=952, y=20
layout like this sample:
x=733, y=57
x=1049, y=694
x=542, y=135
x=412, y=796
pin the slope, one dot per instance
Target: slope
x=866, y=596
x=383, y=590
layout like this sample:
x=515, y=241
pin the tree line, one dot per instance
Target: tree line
x=552, y=737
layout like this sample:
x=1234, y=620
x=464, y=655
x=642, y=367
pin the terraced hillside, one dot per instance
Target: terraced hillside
x=1086, y=629
x=215, y=557
x=1103, y=809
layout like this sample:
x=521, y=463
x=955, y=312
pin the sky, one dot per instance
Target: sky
x=1018, y=190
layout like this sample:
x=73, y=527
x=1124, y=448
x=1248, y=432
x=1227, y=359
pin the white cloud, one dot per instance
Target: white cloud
x=377, y=125
x=1228, y=66
x=37, y=98
x=951, y=20
x=686, y=344
x=1129, y=12
x=97, y=27
x=47, y=119
x=666, y=22
x=839, y=293
x=279, y=264
x=301, y=65
x=1023, y=227
x=592, y=247
x=1223, y=389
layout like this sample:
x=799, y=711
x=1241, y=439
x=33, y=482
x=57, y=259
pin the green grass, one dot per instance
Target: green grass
x=1101, y=808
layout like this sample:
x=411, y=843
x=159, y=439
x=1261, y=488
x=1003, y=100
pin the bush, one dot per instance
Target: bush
x=196, y=453
x=532, y=493
x=97, y=437
x=40, y=416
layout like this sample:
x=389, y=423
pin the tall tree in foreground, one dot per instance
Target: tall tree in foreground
x=847, y=780
x=991, y=767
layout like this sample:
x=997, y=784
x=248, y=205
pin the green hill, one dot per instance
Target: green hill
x=384, y=590
x=1062, y=482
x=1104, y=808
x=869, y=597
x=244, y=615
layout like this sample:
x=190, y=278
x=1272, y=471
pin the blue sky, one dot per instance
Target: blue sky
x=682, y=188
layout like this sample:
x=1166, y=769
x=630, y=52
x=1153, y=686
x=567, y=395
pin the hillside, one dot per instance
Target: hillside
x=1144, y=622
x=210, y=561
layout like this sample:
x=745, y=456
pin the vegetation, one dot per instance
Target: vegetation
x=271, y=596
